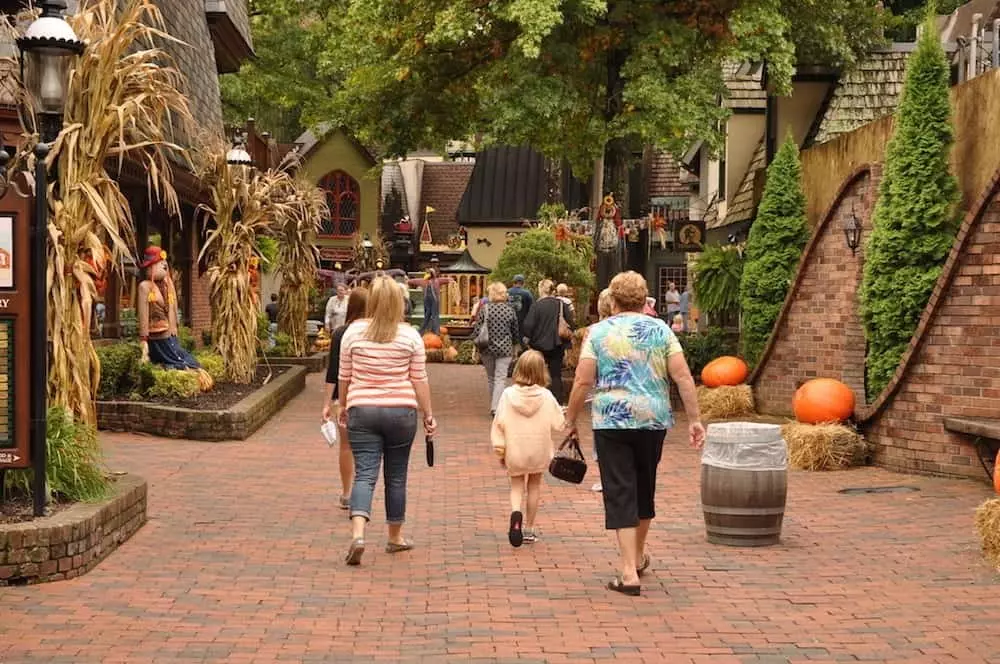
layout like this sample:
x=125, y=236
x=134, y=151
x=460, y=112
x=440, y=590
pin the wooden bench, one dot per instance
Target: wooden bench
x=986, y=437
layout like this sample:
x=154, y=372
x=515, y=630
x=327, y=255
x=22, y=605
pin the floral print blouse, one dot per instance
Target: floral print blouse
x=631, y=351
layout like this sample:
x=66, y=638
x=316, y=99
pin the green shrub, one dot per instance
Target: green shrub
x=774, y=246
x=914, y=224
x=212, y=363
x=700, y=348
x=186, y=338
x=206, y=338
x=73, y=469
x=282, y=346
x=119, y=363
x=173, y=384
x=717, y=275
x=129, y=323
x=263, y=328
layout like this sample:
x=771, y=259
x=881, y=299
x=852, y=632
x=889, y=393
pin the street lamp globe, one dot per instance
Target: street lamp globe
x=238, y=155
x=367, y=243
x=47, y=50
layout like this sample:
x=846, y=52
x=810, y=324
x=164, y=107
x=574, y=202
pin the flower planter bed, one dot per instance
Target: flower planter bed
x=232, y=414
x=74, y=538
x=314, y=363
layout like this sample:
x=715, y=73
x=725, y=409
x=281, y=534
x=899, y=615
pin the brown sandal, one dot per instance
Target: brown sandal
x=354, y=553
x=644, y=566
x=617, y=586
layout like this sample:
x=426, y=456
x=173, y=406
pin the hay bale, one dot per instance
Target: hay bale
x=823, y=446
x=435, y=355
x=988, y=524
x=720, y=403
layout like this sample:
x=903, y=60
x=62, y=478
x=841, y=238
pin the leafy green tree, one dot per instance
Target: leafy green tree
x=282, y=87
x=538, y=255
x=578, y=79
x=915, y=220
x=774, y=246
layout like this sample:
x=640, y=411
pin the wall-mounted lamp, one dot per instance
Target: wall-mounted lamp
x=852, y=232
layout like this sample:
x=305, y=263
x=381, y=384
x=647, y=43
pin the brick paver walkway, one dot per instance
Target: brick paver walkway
x=241, y=562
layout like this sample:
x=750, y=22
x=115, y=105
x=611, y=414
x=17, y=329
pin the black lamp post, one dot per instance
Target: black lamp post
x=238, y=155
x=852, y=232
x=366, y=248
x=47, y=51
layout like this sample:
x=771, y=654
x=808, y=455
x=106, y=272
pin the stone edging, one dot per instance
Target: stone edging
x=236, y=423
x=955, y=256
x=800, y=271
x=73, y=541
x=313, y=363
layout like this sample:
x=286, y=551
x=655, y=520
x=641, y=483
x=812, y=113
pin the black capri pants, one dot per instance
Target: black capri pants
x=627, y=459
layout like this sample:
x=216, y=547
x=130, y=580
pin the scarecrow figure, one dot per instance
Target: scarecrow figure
x=609, y=240
x=156, y=311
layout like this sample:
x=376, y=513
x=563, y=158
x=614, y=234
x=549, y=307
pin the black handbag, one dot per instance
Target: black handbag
x=569, y=464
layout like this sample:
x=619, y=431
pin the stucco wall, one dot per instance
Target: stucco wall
x=338, y=152
x=487, y=256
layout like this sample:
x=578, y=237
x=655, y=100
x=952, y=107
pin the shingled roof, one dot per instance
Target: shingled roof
x=744, y=205
x=444, y=183
x=864, y=94
x=743, y=86
x=665, y=177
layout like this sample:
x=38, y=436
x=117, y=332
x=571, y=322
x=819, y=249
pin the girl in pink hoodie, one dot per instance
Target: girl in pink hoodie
x=527, y=417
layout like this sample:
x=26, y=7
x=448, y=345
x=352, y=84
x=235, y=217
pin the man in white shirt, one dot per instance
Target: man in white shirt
x=336, y=309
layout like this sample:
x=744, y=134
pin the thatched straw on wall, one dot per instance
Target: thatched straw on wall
x=974, y=158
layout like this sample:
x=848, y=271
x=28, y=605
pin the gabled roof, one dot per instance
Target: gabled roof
x=444, y=184
x=864, y=94
x=311, y=139
x=744, y=205
x=959, y=22
x=392, y=180
x=743, y=86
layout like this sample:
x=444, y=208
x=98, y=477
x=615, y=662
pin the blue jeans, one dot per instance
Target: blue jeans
x=373, y=433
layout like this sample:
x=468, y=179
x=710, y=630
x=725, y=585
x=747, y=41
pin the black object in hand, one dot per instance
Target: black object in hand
x=430, y=452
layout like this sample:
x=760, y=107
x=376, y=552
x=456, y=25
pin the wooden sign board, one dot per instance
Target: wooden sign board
x=15, y=337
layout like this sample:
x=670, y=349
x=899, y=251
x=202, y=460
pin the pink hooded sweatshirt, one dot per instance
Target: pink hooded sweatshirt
x=526, y=420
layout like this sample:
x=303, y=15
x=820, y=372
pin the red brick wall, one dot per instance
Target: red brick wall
x=954, y=367
x=819, y=333
x=201, y=309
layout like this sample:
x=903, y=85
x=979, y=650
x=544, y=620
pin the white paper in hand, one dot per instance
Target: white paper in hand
x=331, y=432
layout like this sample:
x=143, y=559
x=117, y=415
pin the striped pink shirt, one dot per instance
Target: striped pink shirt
x=382, y=374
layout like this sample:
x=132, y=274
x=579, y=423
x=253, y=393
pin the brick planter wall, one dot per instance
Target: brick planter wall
x=952, y=367
x=819, y=333
x=73, y=541
x=313, y=363
x=236, y=423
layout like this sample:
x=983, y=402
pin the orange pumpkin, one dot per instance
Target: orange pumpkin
x=996, y=474
x=444, y=331
x=432, y=341
x=823, y=400
x=450, y=354
x=725, y=370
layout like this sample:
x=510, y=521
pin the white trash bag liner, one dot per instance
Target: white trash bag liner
x=745, y=446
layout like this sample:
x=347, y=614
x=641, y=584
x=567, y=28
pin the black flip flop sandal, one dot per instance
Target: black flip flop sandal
x=617, y=586
x=515, y=535
x=644, y=566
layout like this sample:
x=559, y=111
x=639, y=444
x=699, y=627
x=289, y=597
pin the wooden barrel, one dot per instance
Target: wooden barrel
x=744, y=481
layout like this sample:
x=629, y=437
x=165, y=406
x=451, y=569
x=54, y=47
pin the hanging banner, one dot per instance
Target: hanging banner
x=689, y=235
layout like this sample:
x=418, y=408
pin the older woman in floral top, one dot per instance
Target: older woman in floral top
x=628, y=360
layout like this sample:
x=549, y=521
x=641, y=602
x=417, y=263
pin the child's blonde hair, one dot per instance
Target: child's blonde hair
x=531, y=370
x=604, y=303
x=678, y=318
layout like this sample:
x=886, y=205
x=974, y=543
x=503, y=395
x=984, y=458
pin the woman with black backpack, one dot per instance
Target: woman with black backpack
x=495, y=333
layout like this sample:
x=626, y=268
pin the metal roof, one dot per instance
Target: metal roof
x=465, y=264
x=509, y=184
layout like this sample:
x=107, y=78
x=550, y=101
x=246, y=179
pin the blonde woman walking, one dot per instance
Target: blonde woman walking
x=382, y=384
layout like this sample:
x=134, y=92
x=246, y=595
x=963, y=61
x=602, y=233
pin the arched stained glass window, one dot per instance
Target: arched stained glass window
x=343, y=196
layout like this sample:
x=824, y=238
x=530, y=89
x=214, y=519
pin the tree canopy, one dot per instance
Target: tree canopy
x=568, y=77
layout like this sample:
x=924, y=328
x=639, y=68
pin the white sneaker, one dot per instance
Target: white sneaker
x=597, y=488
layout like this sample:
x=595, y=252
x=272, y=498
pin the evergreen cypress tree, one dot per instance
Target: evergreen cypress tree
x=915, y=219
x=774, y=246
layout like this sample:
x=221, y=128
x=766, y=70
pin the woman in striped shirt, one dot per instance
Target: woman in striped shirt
x=382, y=384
